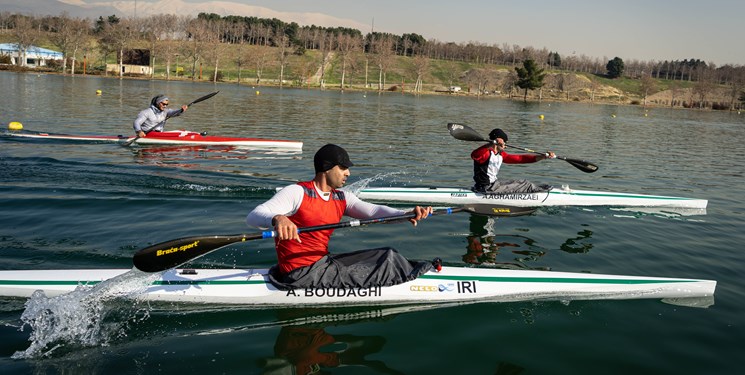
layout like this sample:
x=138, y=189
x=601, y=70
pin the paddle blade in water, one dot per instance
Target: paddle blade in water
x=498, y=210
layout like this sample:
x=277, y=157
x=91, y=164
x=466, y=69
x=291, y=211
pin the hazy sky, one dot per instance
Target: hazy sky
x=710, y=30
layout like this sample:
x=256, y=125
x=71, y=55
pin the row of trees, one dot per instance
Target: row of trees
x=203, y=40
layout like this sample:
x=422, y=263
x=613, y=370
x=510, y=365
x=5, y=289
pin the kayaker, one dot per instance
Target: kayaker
x=487, y=160
x=154, y=117
x=303, y=259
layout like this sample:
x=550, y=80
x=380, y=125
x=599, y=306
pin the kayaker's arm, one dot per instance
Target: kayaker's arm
x=274, y=212
x=177, y=112
x=360, y=209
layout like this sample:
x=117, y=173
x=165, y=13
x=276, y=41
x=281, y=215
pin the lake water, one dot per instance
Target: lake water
x=76, y=206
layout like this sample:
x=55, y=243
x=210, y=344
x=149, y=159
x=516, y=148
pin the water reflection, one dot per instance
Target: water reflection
x=484, y=246
x=178, y=154
x=310, y=349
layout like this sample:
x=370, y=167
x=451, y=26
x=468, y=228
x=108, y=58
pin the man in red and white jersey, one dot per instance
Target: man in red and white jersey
x=488, y=159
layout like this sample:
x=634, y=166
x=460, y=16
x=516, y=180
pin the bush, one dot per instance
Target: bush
x=54, y=64
x=720, y=106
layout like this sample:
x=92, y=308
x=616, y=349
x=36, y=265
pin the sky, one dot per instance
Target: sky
x=645, y=30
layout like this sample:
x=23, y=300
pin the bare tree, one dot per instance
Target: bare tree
x=306, y=69
x=283, y=56
x=25, y=35
x=70, y=35
x=737, y=84
x=241, y=57
x=116, y=37
x=647, y=86
x=481, y=78
x=384, y=54
x=214, y=48
x=421, y=68
x=159, y=29
x=193, y=48
x=168, y=44
x=674, y=92
x=326, y=46
x=345, y=46
x=703, y=87
x=260, y=59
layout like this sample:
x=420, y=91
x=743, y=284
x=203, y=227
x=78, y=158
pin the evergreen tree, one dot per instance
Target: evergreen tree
x=554, y=59
x=615, y=67
x=529, y=77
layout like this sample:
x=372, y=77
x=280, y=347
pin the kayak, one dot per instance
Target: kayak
x=172, y=137
x=451, y=284
x=555, y=197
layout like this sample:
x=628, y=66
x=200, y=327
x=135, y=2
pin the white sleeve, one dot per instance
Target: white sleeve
x=285, y=202
x=360, y=209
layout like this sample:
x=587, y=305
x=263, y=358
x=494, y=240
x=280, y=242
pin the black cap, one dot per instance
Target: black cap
x=330, y=156
x=498, y=133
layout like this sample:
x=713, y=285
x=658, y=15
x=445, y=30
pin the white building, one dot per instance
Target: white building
x=35, y=56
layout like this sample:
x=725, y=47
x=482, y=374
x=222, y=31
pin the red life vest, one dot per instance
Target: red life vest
x=313, y=211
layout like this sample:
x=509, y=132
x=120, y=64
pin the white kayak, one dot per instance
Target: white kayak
x=172, y=137
x=554, y=197
x=451, y=284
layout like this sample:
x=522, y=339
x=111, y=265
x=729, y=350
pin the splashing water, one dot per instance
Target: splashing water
x=86, y=317
x=355, y=187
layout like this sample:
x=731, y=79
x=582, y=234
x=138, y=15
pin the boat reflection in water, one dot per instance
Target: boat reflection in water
x=308, y=350
x=483, y=246
x=193, y=155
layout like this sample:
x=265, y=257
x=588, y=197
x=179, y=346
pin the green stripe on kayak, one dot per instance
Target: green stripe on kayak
x=552, y=192
x=574, y=280
x=620, y=195
x=488, y=279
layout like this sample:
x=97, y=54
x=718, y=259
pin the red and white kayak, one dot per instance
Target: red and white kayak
x=172, y=137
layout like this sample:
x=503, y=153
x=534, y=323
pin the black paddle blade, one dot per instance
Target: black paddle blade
x=170, y=254
x=464, y=133
x=493, y=210
x=203, y=98
x=582, y=165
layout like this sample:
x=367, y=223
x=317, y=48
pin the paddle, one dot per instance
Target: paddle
x=465, y=133
x=170, y=254
x=133, y=140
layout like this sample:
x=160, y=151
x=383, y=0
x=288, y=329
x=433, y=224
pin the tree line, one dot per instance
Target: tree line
x=203, y=40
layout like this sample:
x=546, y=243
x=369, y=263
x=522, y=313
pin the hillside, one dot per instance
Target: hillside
x=258, y=65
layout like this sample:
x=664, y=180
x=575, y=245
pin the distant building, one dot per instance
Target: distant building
x=130, y=69
x=35, y=56
x=135, y=61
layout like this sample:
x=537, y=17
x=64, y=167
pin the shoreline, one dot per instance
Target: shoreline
x=534, y=96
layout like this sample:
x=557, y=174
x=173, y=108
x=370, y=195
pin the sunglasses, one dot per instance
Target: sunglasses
x=163, y=104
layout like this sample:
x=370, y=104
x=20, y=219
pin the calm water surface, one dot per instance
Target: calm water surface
x=71, y=206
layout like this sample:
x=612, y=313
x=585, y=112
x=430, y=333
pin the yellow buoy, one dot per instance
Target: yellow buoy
x=612, y=115
x=15, y=125
x=257, y=92
x=98, y=92
x=540, y=117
